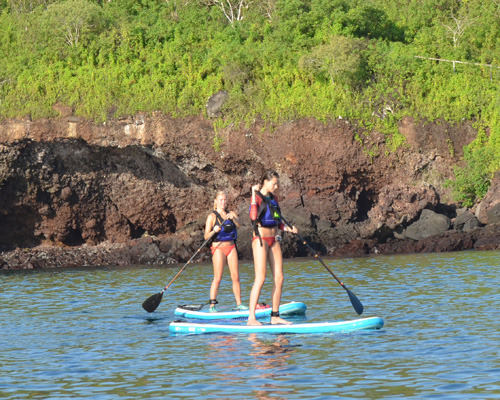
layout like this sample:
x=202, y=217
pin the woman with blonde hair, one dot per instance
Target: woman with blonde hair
x=223, y=226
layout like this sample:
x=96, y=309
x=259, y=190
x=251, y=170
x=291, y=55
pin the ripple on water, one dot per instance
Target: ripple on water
x=83, y=334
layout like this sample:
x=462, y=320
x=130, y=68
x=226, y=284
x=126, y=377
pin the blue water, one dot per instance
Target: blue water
x=82, y=333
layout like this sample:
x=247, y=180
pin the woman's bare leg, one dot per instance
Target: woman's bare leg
x=260, y=261
x=232, y=262
x=276, y=264
x=218, y=260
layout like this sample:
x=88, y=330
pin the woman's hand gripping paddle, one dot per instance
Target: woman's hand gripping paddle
x=152, y=303
x=358, y=307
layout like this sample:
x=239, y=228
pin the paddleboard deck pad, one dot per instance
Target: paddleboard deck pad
x=293, y=308
x=182, y=327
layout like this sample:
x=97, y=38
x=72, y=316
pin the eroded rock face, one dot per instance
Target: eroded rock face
x=441, y=139
x=72, y=193
x=491, y=200
x=487, y=238
x=399, y=205
x=144, y=185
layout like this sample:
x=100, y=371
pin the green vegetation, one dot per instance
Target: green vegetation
x=278, y=59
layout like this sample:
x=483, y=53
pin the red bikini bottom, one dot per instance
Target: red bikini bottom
x=225, y=249
x=269, y=240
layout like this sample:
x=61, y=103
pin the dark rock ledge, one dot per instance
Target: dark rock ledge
x=137, y=191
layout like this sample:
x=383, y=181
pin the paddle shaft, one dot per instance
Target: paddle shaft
x=316, y=255
x=152, y=302
x=301, y=238
x=191, y=259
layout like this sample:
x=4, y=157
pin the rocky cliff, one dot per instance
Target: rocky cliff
x=138, y=190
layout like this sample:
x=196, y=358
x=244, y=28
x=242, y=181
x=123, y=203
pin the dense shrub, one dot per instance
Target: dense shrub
x=279, y=60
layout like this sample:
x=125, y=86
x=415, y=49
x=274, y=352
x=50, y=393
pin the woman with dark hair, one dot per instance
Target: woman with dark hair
x=224, y=224
x=266, y=244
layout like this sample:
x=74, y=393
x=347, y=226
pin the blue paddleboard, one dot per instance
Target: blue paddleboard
x=320, y=327
x=293, y=308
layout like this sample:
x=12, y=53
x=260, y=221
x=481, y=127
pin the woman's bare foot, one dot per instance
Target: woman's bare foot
x=280, y=321
x=253, y=322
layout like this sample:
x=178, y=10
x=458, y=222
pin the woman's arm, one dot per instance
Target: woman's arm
x=210, y=226
x=254, y=203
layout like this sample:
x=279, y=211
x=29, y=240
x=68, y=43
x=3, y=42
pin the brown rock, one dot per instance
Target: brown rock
x=66, y=193
x=487, y=238
x=356, y=248
x=157, y=175
x=489, y=201
x=493, y=214
x=399, y=205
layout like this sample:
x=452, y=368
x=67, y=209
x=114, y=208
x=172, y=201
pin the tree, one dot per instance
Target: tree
x=268, y=8
x=458, y=28
x=26, y=6
x=370, y=22
x=341, y=59
x=64, y=25
x=232, y=9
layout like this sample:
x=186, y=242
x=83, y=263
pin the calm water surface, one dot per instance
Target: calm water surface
x=83, y=334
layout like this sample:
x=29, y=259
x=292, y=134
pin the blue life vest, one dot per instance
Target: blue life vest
x=228, y=230
x=266, y=217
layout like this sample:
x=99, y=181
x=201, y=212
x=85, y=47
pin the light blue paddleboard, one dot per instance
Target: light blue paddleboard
x=293, y=308
x=320, y=327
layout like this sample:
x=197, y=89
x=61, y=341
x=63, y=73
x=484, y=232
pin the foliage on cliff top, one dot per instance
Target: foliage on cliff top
x=278, y=59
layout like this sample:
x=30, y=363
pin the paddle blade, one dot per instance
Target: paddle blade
x=192, y=307
x=358, y=307
x=152, y=302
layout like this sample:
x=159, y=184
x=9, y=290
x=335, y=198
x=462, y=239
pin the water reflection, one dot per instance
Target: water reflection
x=269, y=393
x=270, y=354
x=265, y=362
x=224, y=352
x=272, y=358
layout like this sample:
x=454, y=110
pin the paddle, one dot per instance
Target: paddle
x=152, y=303
x=358, y=307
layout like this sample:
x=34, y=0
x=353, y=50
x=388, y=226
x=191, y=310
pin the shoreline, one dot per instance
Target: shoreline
x=149, y=251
